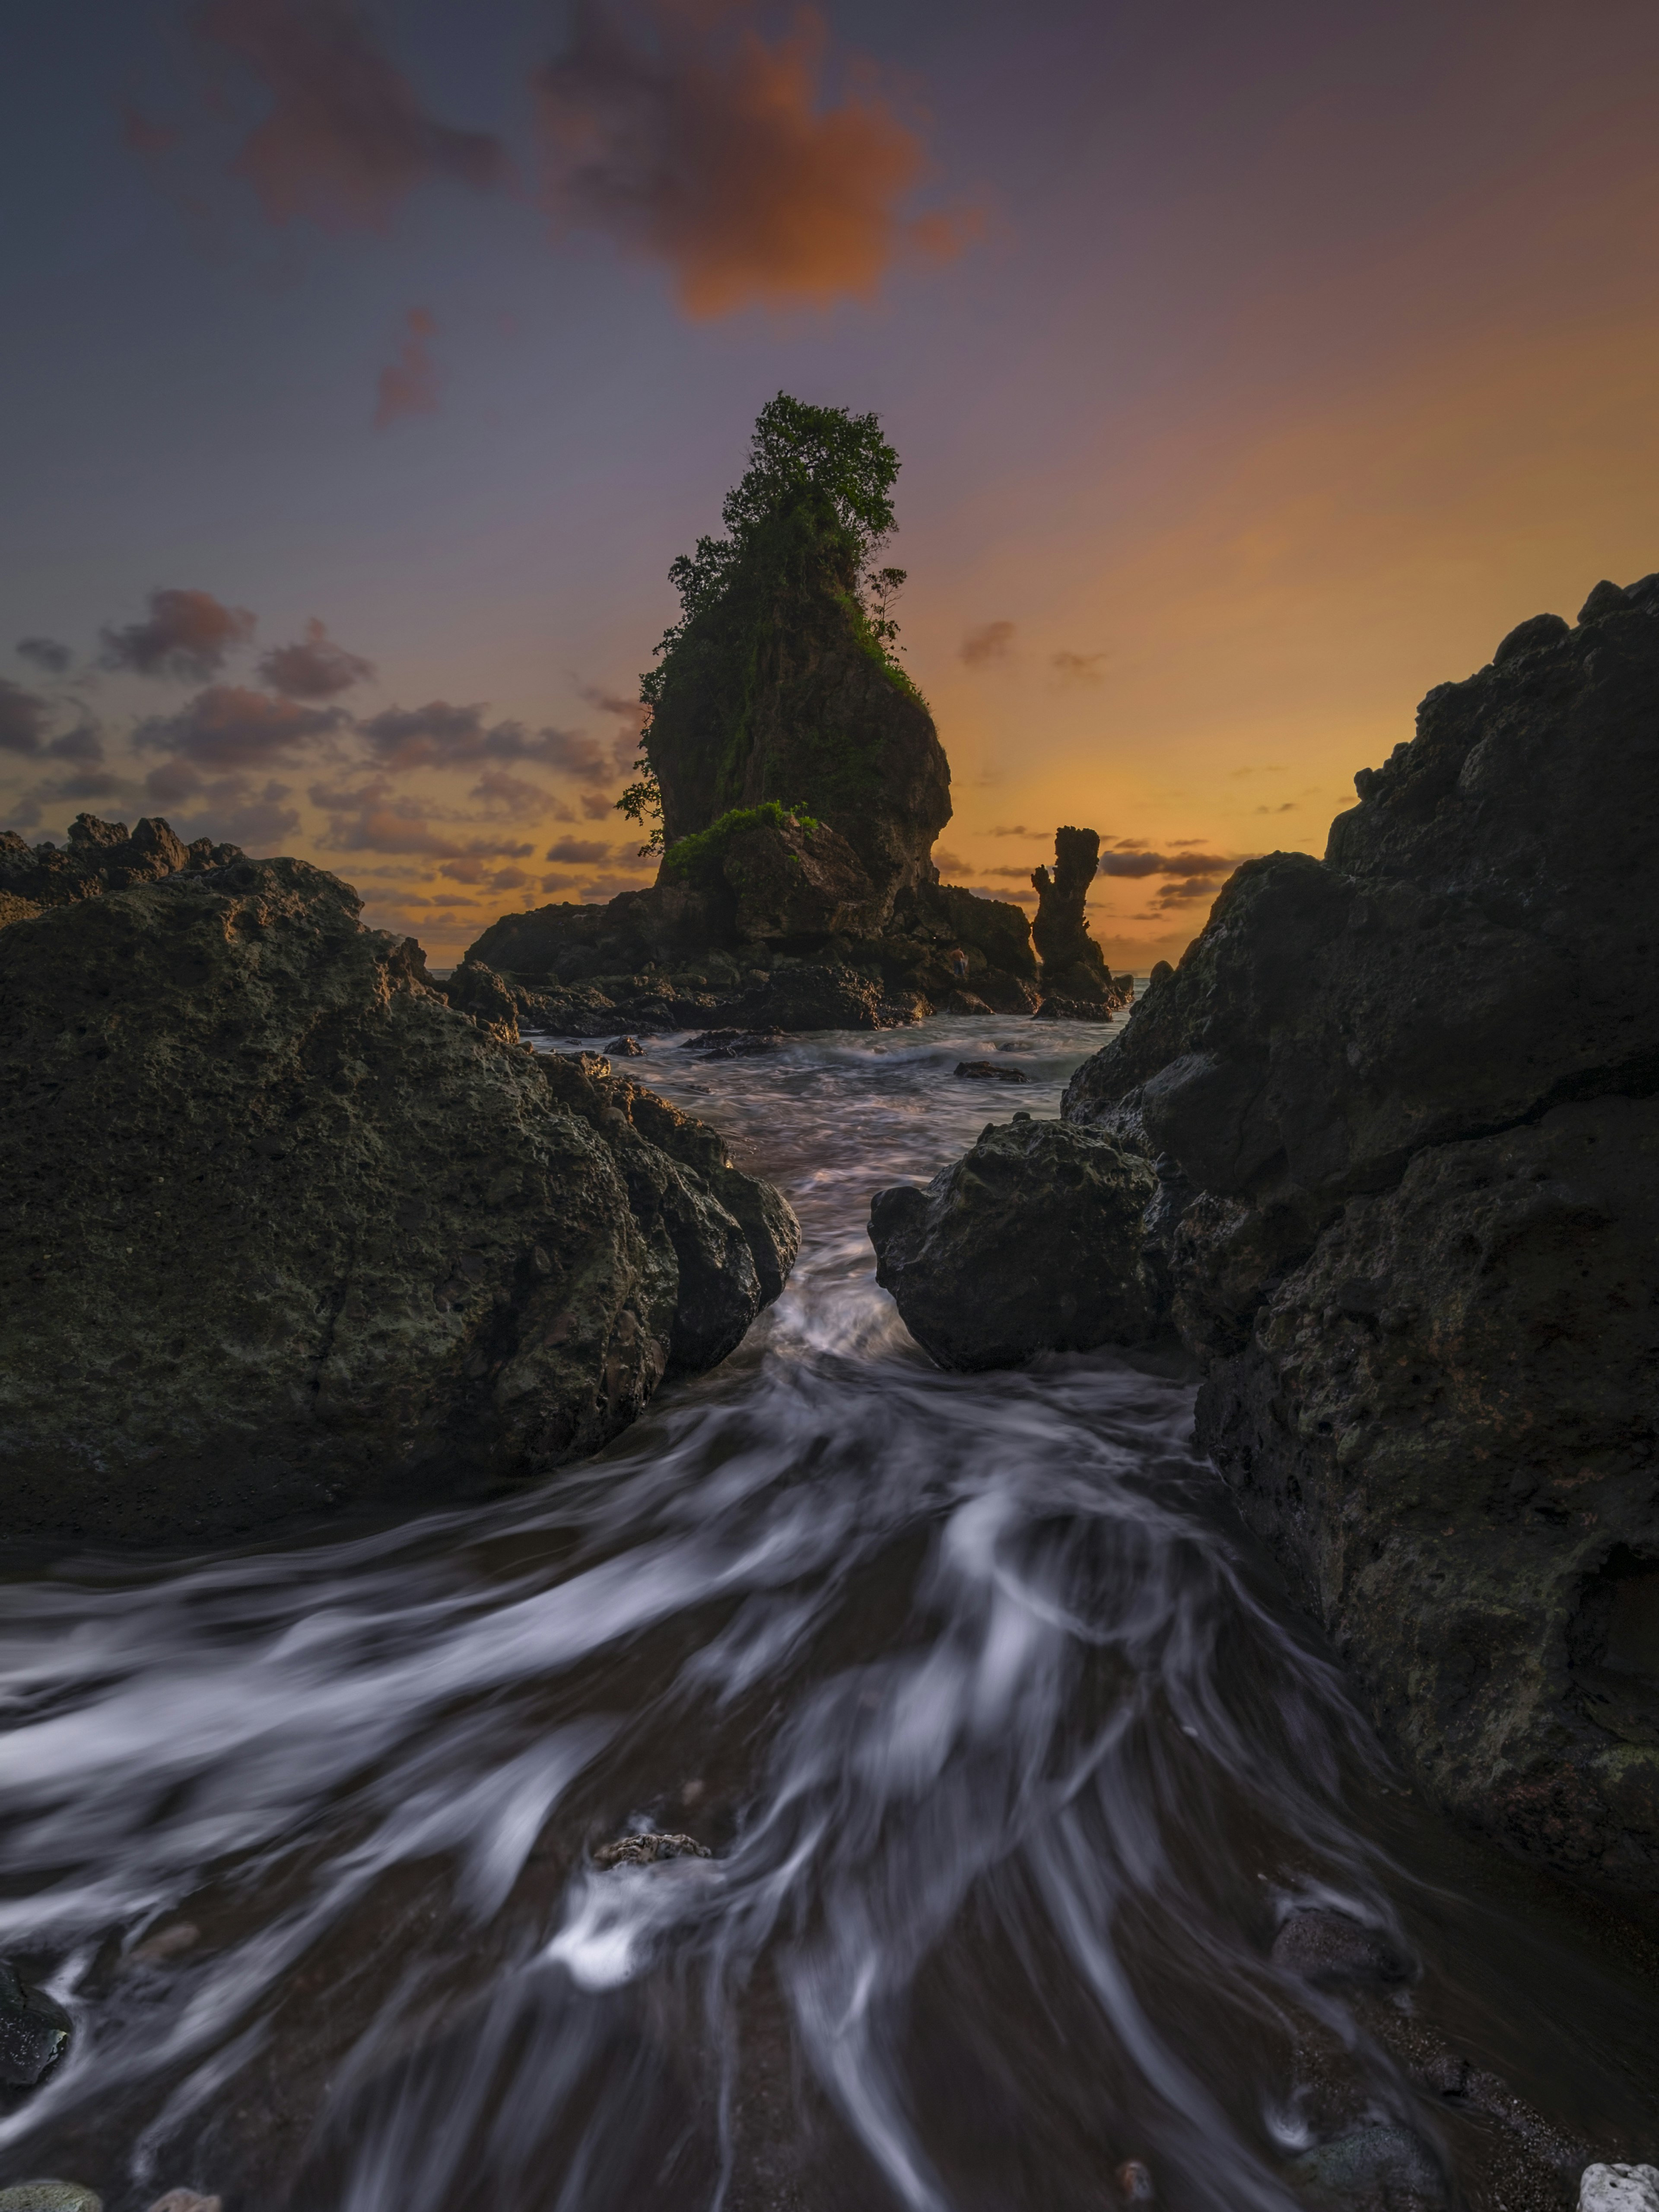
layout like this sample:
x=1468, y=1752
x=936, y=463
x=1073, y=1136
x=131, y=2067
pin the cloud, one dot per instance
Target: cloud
x=439, y=735
x=408, y=385
x=228, y=726
x=1174, y=895
x=1015, y=829
x=232, y=810
x=690, y=141
x=577, y=852
x=1288, y=807
x=596, y=807
x=498, y=790
x=346, y=140
x=990, y=641
x=23, y=718
x=46, y=653
x=314, y=668
x=1159, y=864
x=188, y=636
x=85, y=742
x=1077, y=667
x=953, y=863
x=372, y=817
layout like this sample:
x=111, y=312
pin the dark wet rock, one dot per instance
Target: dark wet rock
x=1619, y=2189
x=1074, y=966
x=287, y=1230
x=1330, y=1948
x=100, y=857
x=648, y=1850
x=1410, y=1226
x=1119, y=994
x=46, y=2196
x=1134, y=2183
x=625, y=1047
x=592, y=1064
x=1031, y=1242
x=986, y=1071
x=13, y=908
x=1388, y=2166
x=34, y=2031
x=732, y=1044
x=474, y=989
x=186, y=2200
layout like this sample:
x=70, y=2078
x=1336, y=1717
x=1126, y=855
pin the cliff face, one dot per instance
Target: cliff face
x=781, y=691
x=1404, y=1108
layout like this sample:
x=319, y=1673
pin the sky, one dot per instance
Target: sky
x=1253, y=371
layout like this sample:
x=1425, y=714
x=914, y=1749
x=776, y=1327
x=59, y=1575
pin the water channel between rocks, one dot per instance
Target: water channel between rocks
x=1008, y=1754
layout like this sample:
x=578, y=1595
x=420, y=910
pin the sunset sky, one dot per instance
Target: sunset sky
x=1252, y=369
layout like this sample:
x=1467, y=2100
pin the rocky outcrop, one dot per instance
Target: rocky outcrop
x=1073, y=967
x=286, y=1230
x=99, y=857
x=1402, y=1108
x=779, y=690
x=1032, y=1241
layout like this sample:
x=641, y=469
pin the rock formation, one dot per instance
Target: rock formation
x=1402, y=1108
x=285, y=1229
x=100, y=857
x=1031, y=1243
x=1075, y=976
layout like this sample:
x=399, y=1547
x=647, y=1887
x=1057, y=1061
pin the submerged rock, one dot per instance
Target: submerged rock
x=986, y=1071
x=49, y=2196
x=1033, y=1242
x=1384, y=2165
x=288, y=1231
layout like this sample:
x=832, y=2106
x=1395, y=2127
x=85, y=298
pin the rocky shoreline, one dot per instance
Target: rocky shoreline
x=1400, y=1106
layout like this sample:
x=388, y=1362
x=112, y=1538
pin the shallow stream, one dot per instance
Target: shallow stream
x=1009, y=1755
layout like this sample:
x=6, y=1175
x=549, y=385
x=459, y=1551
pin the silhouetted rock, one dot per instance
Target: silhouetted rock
x=986, y=1071
x=1032, y=1241
x=1409, y=1153
x=287, y=1230
x=1074, y=966
x=100, y=857
x=474, y=989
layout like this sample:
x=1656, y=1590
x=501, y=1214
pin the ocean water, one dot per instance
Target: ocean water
x=1008, y=1754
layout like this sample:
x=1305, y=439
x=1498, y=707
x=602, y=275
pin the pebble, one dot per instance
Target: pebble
x=646, y=1851
x=1323, y=1946
x=1134, y=2183
x=1612, y=2189
x=1372, y=2158
x=186, y=2200
x=49, y=2196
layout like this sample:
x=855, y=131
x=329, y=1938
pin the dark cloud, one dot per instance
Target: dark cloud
x=990, y=641
x=1077, y=667
x=408, y=385
x=1161, y=864
x=439, y=735
x=189, y=634
x=575, y=852
x=23, y=718
x=228, y=726
x=85, y=742
x=951, y=863
x=346, y=139
x=1015, y=830
x=1175, y=895
x=46, y=654
x=1288, y=807
x=596, y=807
x=688, y=139
x=314, y=668
x=229, y=808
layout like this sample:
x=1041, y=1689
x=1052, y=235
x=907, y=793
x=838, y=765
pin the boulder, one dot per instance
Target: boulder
x=475, y=990
x=288, y=1231
x=35, y=2032
x=1032, y=1241
x=1402, y=1102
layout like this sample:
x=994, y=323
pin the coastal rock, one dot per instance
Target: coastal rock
x=1074, y=966
x=1619, y=2189
x=100, y=857
x=1410, y=1221
x=479, y=991
x=986, y=1071
x=45, y=2195
x=287, y=1230
x=1402, y=1107
x=1031, y=1243
x=35, y=2032
x=648, y=1850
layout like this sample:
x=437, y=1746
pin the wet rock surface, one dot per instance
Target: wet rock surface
x=987, y=1070
x=289, y=1231
x=35, y=2032
x=1032, y=1241
x=647, y=1848
x=1401, y=1103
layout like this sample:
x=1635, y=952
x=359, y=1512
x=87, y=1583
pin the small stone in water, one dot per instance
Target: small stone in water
x=646, y=1851
x=49, y=2196
x=1373, y=2158
x=1619, y=2189
x=1323, y=1946
x=167, y=1943
x=625, y=1047
x=186, y=2200
x=1134, y=2183
x=986, y=1071
x=34, y=2032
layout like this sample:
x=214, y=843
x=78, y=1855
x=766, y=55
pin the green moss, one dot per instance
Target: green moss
x=700, y=854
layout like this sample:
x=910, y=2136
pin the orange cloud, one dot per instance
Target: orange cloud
x=990, y=641
x=710, y=151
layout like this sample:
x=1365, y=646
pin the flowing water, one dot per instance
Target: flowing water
x=1008, y=1756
